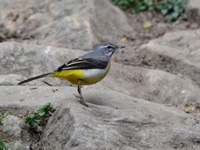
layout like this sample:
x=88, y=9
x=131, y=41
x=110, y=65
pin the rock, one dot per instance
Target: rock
x=71, y=24
x=194, y=26
x=11, y=126
x=112, y=120
x=21, y=61
x=10, y=79
x=176, y=52
x=12, y=129
x=162, y=27
x=28, y=60
x=153, y=85
x=193, y=10
x=20, y=146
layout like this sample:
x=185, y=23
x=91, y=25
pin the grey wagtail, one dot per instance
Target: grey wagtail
x=84, y=70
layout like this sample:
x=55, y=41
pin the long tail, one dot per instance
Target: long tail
x=34, y=78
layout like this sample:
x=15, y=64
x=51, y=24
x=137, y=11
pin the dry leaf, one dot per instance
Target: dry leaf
x=189, y=109
x=147, y=24
x=122, y=39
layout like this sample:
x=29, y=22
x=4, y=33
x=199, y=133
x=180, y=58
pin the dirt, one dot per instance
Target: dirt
x=28, y=135
x=7, y=35
x=144, y=35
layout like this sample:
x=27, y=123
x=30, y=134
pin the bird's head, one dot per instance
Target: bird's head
x=107, y=48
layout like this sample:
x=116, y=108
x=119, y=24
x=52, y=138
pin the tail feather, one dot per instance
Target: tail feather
x=34, y=78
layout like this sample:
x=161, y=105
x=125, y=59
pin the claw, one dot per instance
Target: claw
x=81, y=100
x=77, y=96
x=83, y=103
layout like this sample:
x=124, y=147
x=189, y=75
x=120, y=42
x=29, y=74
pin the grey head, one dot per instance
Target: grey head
x=107, y=48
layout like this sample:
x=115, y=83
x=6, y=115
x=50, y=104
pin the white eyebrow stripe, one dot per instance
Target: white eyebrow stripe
x=103, y=46
x=107, y=46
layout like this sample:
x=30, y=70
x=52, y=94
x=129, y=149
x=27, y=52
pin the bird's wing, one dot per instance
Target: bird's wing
x=84, y=63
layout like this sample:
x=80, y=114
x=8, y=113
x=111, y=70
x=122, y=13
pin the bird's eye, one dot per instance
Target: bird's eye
x=109, y=47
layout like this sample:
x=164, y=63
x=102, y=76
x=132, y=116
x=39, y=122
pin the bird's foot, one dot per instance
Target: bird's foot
x=81, y=100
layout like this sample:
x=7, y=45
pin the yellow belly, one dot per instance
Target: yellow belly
x=87, y=76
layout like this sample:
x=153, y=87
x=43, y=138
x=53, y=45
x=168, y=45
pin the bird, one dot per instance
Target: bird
x=85, y=70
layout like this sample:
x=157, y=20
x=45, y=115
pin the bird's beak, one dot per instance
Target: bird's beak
x=119, y=47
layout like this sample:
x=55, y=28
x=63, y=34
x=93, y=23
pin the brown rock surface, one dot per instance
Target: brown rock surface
x=112, y=120
x=176, y=52
x=71, y=24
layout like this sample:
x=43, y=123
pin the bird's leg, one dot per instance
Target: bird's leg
x=80, y=94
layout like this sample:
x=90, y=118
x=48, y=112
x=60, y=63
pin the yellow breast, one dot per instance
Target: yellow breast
x=88, y=76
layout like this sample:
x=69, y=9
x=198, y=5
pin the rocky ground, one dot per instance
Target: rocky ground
x=143, y=36
x=151, y=102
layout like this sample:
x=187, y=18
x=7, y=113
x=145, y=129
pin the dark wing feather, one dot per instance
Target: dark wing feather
x=81, y=63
